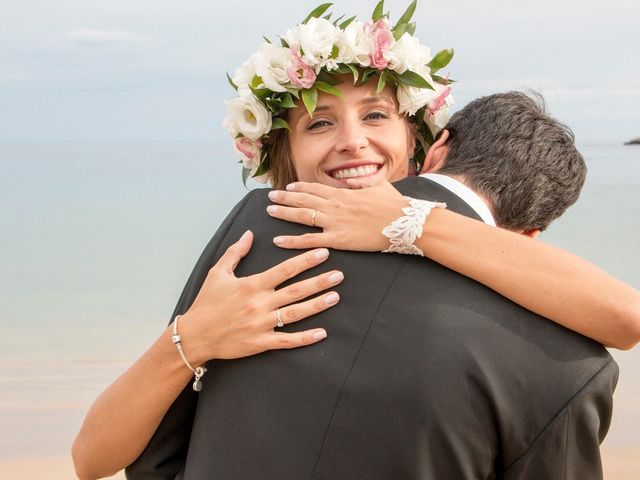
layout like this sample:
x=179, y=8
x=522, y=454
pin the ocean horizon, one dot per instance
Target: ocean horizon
x=99, y=240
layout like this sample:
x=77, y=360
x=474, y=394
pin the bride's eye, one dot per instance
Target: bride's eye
x=376, y=116
x=318, y=124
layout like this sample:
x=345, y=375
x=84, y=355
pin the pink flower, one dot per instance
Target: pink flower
x=300, y=74
x=249, y=151
x=381, y=40
x=438, y=102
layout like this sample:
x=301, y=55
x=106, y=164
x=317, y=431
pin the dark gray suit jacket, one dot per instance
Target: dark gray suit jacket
x=425, y=374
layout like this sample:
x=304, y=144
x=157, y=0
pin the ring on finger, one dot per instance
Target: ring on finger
x=313, y=218
x=279, y=323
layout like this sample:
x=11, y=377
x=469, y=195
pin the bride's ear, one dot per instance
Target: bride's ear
x=437, y=154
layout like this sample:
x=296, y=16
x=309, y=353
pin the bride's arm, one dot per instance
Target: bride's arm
x=538, y=276
x=230, y=318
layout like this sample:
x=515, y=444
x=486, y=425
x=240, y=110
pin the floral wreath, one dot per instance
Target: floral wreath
x=309, y=57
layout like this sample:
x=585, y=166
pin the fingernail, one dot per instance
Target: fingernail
x=245, y=235
x=273, y=194
x=278, y=240
x=321, y=254
x=332, y=298
x=319, y=335
x=272, y=209
x=336, y=277
x=290, y=187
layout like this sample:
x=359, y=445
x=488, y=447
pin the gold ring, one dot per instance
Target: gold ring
x=313, y=218
x=280, y=323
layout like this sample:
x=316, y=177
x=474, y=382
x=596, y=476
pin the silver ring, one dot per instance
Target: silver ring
x=313, y=218
x=280, y=323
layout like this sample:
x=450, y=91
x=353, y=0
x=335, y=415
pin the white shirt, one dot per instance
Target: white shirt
x=465, y=193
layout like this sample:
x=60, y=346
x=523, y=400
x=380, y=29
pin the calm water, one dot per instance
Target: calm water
x=97, y=241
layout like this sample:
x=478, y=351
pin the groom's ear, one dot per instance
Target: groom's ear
x=437, y=154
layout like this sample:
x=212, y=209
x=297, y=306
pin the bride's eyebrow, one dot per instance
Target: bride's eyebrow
x=376, y=99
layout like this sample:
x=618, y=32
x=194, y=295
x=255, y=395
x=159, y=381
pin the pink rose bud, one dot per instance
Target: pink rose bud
x=381, y=41
x=300, y=74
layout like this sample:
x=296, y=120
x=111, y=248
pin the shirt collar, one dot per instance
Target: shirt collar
x=465, y=193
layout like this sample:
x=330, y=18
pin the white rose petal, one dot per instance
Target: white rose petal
x=408, y=54
x=248, y=117
x=353, y=44
x=271, y=64
x=316, y=38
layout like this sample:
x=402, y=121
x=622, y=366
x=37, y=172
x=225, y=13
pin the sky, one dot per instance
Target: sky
x=154, y=70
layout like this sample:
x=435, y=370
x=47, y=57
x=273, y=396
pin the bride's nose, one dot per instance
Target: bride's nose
x=351, y=137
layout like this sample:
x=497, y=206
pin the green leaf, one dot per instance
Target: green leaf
x=294, y=91
x=399, y=30
x=266, y=39
x=310, y=99
x=366, y=75
x=440, y=60
x=335, y=22
x=335, y=51
x=413, y=80
x=347, y=22
x=235, y=87
x=377, y=12
x=286, y=100
x=411, y=28
x=319, y=10
x=355, y=72
x=408, y=13
x=442, y=80
x=261, y=93
x=279, y=123
x=245, y=175
x=381, y=82
x=283, y=43
x=263, y=168
x=328, y=16
x=329, y=78
x=326, y=88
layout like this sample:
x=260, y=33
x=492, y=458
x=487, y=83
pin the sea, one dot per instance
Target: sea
x=97, y=241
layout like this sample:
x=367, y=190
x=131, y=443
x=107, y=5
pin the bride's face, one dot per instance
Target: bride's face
x=357, y=135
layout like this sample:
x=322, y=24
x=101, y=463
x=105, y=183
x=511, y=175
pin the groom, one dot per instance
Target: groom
x=426, y=373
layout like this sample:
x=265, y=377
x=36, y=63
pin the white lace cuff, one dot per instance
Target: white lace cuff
x=402, y=233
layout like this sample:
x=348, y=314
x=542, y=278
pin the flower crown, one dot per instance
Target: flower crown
x=309, y=57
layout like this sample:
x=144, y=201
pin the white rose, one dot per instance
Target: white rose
x=408, y=54
x=412, y=99
x=271, y=63
x=248, y=117
x=243, y=76
x=316, y=38
x=353, y=45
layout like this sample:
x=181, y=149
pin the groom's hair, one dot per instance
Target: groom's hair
x=524, y=162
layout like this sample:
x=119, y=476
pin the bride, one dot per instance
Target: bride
x=387, y=92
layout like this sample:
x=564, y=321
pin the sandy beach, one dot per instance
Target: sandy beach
x=619, y=464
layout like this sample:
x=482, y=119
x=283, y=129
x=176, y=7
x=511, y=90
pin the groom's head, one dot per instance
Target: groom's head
x=507, y=149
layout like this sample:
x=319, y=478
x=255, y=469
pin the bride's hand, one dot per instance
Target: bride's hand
x=236, y=317
x=350, y=219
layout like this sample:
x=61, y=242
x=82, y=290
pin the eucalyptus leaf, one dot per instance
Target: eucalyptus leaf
x=235, y=87
x=440, y=60
x=310, y=99
x=319, y=10
x=378, y=11
x=413, y=80
x=347, y=22
x=381, y=82
x=327, y=88
x=408, y=13
x=279, y=123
